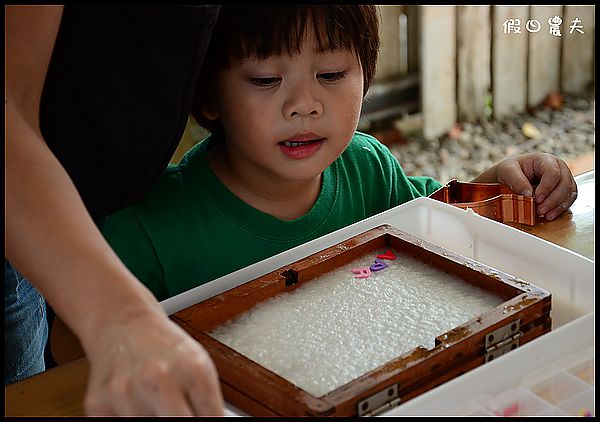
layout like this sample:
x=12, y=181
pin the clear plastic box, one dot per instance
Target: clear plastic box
x=580, y=405
x=480, y=406
x=554, y=385
x=580, y=365
x=521, y=402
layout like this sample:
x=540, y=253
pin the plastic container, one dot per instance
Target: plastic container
x=554, y=384
x=521, y=402
x=567, y=275
x=580, y=365
x=503, y=373
x=480, y=406
x=579, y=405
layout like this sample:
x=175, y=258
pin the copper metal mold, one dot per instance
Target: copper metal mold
x=491, y=200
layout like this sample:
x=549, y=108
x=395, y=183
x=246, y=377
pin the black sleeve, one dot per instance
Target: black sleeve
x=118, y=93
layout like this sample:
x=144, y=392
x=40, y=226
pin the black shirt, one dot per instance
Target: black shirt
x=118, y=93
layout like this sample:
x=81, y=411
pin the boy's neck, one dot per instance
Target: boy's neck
x=286, y=200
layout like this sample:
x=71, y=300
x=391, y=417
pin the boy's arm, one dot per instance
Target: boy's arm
x=141, y=362
x=425, y=185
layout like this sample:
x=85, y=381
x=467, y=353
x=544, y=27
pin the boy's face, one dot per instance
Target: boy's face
x=288, y=118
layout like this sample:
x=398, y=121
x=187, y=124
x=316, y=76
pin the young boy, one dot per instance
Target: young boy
x=284, y=163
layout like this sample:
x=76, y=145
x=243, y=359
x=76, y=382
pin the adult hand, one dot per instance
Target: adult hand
x=147, y=365
x=556, y=188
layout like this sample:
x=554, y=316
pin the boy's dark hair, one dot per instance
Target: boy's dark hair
x=266, y=30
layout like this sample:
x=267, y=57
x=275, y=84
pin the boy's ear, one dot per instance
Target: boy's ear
x=209, y=111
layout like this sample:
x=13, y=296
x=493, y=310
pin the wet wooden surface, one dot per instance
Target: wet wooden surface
x=60, y=391
x=574, y=229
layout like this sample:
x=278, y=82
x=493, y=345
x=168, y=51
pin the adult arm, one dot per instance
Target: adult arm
x=141, y=362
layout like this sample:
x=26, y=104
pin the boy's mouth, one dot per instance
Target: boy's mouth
x=294, y=144
x=300, y=147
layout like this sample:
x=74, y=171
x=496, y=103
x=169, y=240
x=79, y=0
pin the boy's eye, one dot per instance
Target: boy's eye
x=332, y=76
x=264, y=81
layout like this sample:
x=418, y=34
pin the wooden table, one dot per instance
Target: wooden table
x=60, y=391
x=574, y=229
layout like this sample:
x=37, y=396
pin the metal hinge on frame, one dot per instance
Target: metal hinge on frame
x=502, y=340
x=380, y=402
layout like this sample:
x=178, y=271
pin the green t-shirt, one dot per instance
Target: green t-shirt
x=189, y=229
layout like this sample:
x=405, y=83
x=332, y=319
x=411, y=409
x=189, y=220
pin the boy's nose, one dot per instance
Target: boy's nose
x=302, y=103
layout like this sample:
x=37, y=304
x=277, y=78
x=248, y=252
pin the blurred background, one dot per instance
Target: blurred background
x=460, y=87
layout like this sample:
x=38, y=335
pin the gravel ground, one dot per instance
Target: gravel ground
x=567, y=132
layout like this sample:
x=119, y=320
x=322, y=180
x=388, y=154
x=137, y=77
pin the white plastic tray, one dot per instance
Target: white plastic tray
x=504, y=373
x=567, y=275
